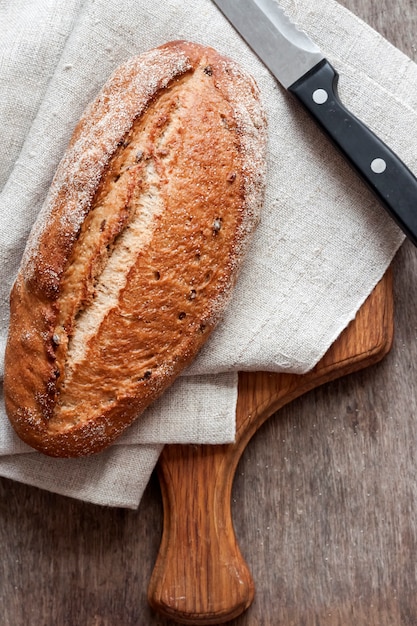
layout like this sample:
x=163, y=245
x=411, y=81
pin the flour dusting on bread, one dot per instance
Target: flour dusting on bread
x=135, y=253
x=103, y=126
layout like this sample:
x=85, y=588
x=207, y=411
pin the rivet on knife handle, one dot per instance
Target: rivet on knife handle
x=300, y=66
x=387, y=176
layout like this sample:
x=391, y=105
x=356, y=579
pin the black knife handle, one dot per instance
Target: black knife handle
x=387, y=176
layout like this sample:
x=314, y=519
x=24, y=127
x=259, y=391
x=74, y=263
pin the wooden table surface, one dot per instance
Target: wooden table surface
x=324, y=501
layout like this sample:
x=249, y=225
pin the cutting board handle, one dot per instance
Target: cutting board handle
x=200, y=576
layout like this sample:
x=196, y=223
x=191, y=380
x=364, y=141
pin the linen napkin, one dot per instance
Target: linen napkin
x=322, y=245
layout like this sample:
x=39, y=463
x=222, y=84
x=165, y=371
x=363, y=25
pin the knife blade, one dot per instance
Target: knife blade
x=301, y=67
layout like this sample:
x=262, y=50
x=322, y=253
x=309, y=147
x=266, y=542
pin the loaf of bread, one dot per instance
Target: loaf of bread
x=131, y=261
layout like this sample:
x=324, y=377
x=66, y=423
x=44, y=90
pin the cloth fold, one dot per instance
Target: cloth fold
x=322, y=245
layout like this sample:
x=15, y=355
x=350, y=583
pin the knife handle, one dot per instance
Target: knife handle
x=387, y=176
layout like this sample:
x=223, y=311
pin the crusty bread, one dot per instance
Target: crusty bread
x=128, y=268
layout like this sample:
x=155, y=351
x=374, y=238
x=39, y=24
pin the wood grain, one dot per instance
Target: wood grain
x=200, y=576
x=324, y=500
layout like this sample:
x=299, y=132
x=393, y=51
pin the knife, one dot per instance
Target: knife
x=300, y=66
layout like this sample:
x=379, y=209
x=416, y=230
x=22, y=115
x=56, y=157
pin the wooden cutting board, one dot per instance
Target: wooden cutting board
x=200, y=576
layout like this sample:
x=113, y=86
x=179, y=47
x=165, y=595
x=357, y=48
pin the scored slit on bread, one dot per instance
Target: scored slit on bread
x=141, y=275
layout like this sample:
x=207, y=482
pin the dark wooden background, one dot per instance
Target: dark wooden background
x=324, y=501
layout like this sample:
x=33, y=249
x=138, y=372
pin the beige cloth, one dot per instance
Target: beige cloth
x=322, y=245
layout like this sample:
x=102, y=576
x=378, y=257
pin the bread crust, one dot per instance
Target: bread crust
x=132, y=259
